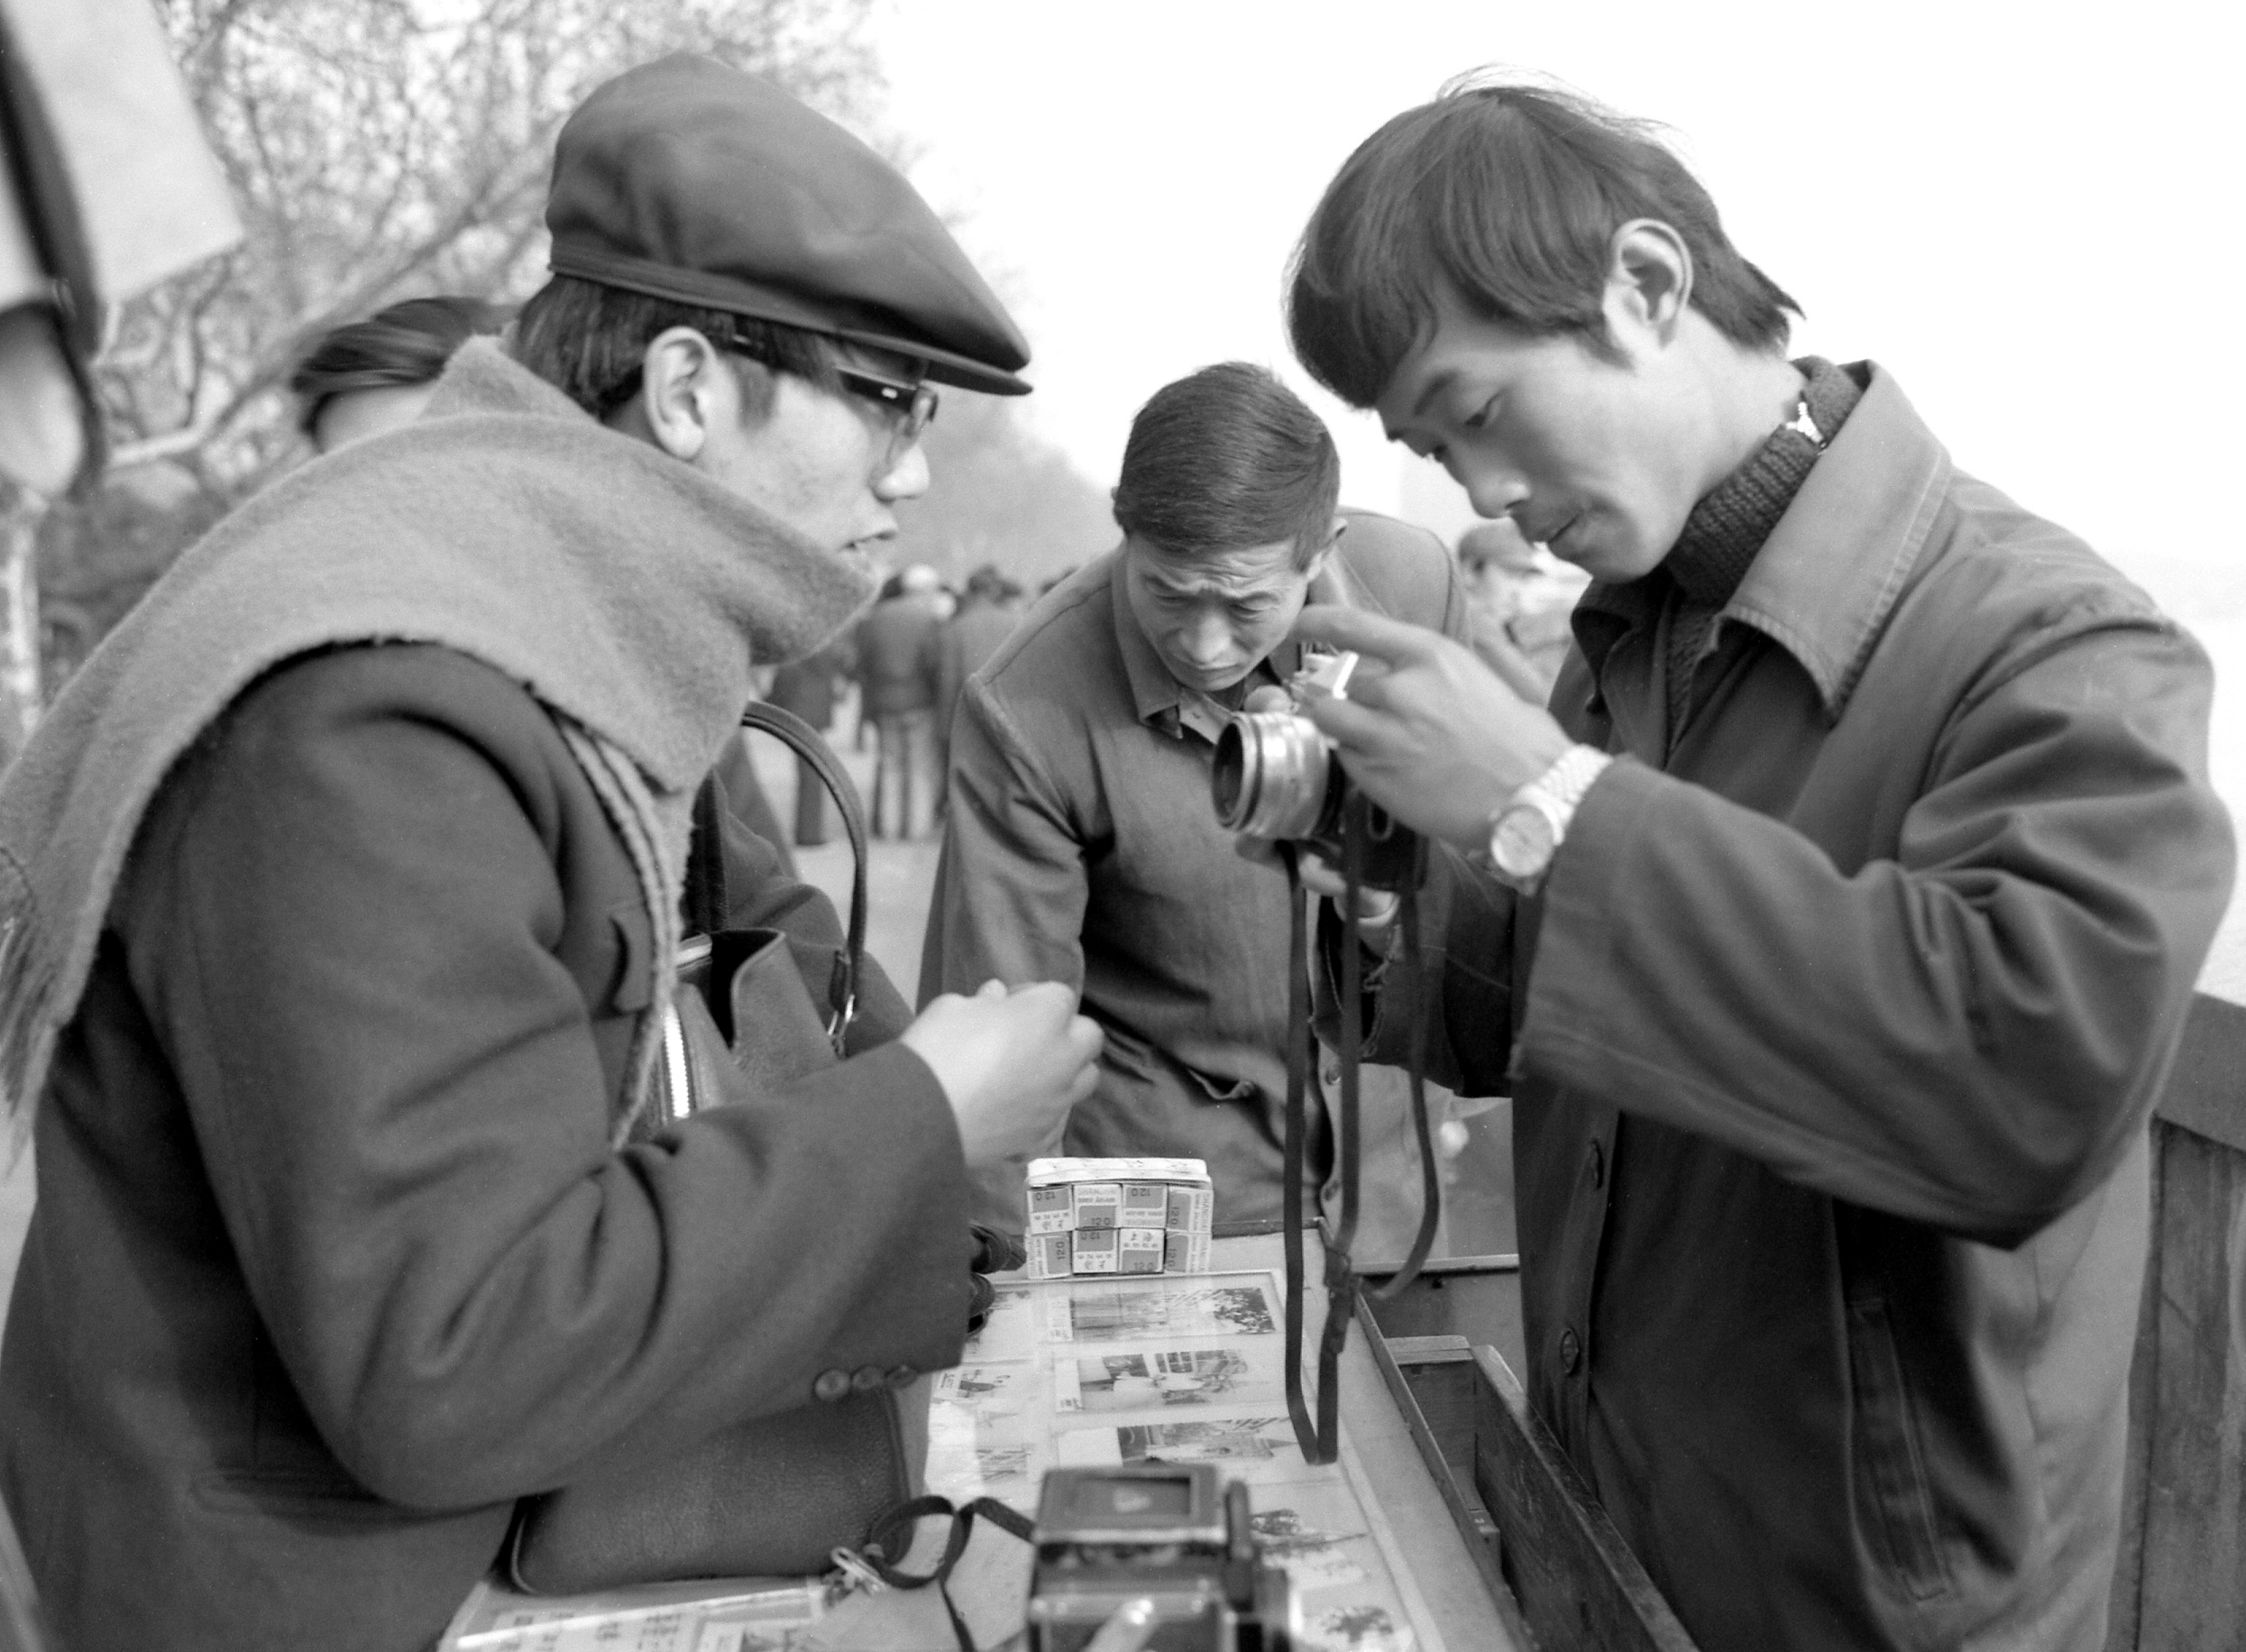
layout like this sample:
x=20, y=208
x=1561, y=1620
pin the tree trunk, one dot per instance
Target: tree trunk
x=20, y=513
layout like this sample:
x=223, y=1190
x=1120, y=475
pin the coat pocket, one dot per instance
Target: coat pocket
x=1895, y=1503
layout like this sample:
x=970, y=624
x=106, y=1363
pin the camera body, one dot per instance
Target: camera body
x=1276, y=778
x=1168, y=1533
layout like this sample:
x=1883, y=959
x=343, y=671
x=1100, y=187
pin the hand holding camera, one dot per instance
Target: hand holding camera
x=1429, y=732
x=1274, y=781
x=1010, y=1063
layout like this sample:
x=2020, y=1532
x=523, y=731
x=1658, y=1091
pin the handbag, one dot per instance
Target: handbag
x=774, y=1496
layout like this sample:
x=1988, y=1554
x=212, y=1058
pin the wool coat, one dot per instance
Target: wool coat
x=331, y=1261
x=1832, y=1033
x=336, y=1254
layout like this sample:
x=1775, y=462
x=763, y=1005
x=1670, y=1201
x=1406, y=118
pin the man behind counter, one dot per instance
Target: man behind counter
x=1842, y=913
x=350, y=1229
x=1082, y=845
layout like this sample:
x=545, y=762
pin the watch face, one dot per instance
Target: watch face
x=1521, y=843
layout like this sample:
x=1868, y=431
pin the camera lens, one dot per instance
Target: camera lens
x=1270, y=775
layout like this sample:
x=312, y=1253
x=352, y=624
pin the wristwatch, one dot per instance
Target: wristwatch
x=1526, y=834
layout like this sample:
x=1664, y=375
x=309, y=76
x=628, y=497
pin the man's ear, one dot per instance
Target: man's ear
x=1649, y=282
x=679, y=390
x=1324, y=553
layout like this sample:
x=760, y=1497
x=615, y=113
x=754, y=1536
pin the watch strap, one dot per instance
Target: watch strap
x=1562, y=785
x=1553, y=794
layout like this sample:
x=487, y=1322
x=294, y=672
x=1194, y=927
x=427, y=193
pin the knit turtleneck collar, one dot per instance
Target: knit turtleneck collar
x=1727, y=529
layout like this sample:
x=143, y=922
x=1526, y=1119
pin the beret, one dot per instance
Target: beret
x=689, y=180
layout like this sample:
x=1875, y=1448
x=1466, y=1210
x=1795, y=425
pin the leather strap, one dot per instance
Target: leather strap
x=894, y=1530
x=1415, y=1069
x=1320, y=1440
x=805, y=741
x=1306, y=1433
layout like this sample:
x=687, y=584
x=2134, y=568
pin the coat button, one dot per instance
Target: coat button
x=866, y=1378
x=1597, y=1165
x=1570, y=1351
x=902, y=1376
x=832, y=1385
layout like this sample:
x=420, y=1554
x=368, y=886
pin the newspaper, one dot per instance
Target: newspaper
x=1077, y=1371
x=1094, y=1371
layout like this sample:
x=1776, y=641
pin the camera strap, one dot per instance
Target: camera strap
x=893, y=1531
x=1320, y=1440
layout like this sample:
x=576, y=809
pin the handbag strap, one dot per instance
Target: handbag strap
x=805, y=741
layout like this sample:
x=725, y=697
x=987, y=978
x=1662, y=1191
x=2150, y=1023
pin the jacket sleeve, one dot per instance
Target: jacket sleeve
x=1967, y=1034
x=1010, y=886
x=345, y=940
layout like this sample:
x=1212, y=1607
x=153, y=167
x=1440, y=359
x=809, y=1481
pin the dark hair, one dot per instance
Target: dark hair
x=1509, y=196
x=587, y=341
x=407, y=343
x=1228, y=457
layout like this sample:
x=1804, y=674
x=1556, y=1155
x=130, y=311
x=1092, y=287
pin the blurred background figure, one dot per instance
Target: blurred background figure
x=898, y=645
x=374, y=375
x=1519, y=607
x=809, y=687
x=986, y=617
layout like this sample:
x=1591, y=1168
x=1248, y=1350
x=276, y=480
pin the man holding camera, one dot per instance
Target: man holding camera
x=1082, y=844
x=343, y=894
x=1833, y=932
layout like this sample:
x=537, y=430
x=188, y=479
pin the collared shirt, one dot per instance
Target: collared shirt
x=1832, y=1035
x=1082, y=847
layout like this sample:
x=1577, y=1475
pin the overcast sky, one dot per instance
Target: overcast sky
x=2031, y=218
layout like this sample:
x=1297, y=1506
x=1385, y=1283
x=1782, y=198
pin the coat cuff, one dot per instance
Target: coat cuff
x=1581, y=926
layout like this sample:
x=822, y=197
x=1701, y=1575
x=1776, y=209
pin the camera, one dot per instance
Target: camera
x=1276, y=779
x=1170, y=1533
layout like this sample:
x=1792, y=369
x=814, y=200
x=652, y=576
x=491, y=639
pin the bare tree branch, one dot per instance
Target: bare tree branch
x=377, y=146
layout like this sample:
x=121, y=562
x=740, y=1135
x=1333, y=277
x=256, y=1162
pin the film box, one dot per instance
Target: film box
x=1118, y=1216
x=1139, y=1250
x=1094, y=1250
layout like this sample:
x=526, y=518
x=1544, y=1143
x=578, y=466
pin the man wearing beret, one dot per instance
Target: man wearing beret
x=1832, y=932
x=342, y=894
x=1082, y=845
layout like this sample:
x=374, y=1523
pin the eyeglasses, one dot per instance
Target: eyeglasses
x=911, y=402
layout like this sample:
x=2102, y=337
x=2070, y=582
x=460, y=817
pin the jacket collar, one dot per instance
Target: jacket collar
x=1830, y=574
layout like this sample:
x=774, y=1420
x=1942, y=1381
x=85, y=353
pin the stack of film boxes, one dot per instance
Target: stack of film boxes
x=1118, y=1216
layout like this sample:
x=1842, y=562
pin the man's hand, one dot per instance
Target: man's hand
x=1428, y=731
x=1010, y=1063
